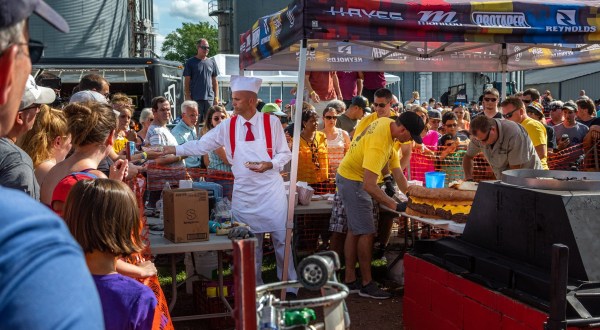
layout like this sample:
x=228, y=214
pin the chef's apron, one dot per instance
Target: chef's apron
x=259, y=199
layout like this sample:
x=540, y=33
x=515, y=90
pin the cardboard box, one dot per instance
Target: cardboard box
x=186, y=215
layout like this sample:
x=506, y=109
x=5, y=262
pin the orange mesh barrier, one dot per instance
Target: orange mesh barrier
x=318, y=169
x=307, y=229
x=158, y=175
x=313, y=165
x=162, y=317
x=422, y=162
x=592, y=158
x=567, y=159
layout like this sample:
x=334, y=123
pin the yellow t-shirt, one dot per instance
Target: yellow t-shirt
x=313, y=163
x=370, y=150
x=537, y=135
x=366, y=121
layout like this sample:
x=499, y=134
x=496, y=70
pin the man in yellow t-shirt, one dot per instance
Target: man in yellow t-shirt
x=382, y=107
x=356, y=181
x=513, y=109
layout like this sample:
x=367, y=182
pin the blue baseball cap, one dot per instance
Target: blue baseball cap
x=14, y=11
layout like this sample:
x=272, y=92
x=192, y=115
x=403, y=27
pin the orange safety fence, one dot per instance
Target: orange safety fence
x=567, y=159
x=451, y=164
x=318, y=168
x=158, y=175
x=592, y=158
x=162, y=317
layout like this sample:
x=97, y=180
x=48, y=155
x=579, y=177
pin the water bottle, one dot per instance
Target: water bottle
x=159, y=204
x=159, y=209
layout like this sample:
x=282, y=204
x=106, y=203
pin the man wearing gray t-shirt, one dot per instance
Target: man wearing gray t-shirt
x=200, y=79
x=570, y=132
x=357, y=109
x=505, y=145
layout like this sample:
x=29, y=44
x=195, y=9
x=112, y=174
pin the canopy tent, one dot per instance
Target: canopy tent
x=420, y=35
x=426, y=35
x=228, y=65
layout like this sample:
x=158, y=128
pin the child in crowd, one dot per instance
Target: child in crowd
x=450, y=158
x=102, y=216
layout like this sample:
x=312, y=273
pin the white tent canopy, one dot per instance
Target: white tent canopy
x=229, y=65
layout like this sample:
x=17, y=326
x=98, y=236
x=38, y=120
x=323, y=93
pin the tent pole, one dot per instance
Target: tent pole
x=294, y=172
x=504, y=62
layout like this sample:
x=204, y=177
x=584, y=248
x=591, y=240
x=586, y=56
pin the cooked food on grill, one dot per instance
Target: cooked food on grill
x=442, y=203
x=463, y=185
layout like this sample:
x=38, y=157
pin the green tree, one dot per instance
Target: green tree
x=180, y=44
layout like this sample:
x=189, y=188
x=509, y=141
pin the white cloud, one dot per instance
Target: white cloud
x=159, y=39
x=194, y=10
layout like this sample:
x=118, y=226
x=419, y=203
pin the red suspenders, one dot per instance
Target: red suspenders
x=267, y=125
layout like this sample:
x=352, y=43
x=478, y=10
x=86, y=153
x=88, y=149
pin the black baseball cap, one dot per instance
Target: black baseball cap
x=414, y=124
x=360, y=101
x=14, y=11
x=570, y=105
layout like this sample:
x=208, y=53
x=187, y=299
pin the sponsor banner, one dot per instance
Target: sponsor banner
x=513, y=20
x=438, y=18
x=566, y=21
x=362, y=13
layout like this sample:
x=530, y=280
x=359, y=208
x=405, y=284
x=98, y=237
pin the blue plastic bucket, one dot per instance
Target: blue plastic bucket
x=435, y=179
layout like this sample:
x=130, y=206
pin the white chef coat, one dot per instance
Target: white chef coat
x=259, y=199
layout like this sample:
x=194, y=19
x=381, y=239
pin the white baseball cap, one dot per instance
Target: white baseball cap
x=35, y=94
x=86, y=96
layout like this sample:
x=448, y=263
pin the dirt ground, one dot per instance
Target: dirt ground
x=365, y=313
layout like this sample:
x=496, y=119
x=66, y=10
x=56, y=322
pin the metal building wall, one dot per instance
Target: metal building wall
x=98, y=29
x=440, y=83
x=591, y=84
x=554, y=88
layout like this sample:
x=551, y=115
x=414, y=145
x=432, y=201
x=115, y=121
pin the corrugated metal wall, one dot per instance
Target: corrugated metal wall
x=554, y=88
x=440, y=83
x=591, y=84
x=98, y=29
x=569, y=89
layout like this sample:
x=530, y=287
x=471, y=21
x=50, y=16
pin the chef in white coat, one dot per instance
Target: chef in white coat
x=259, y=197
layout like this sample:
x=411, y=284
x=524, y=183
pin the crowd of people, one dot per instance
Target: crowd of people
x=356, y=141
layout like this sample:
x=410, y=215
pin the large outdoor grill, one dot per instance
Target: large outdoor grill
x=507, y=244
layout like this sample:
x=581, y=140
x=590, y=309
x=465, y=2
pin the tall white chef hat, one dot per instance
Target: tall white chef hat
x=241, y=83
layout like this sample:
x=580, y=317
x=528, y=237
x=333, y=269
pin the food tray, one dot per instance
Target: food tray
x=448, y=225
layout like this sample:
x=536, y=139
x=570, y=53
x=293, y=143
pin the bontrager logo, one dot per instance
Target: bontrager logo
x=500, y=20
x=360, y=12
x=429, y=17
x=566, y=20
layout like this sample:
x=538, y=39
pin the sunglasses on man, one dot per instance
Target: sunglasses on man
x=509, y=115
x=380, y=105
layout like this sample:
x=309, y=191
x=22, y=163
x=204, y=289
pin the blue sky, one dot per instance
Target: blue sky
x=169, y=14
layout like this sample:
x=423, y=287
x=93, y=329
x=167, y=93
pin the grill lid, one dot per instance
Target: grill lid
x=553, y=180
